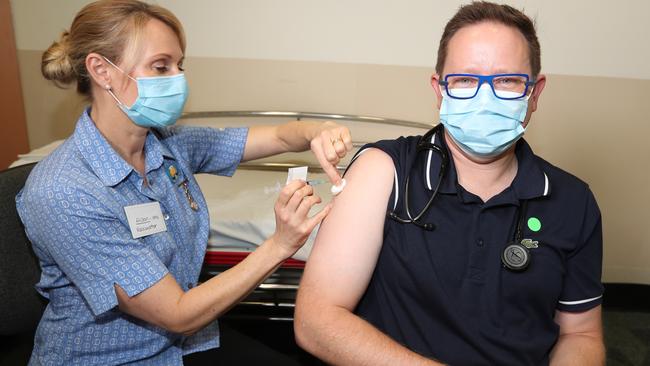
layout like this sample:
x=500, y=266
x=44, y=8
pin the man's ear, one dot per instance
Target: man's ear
x=437, y=88
x=98, y=70
x=537, y=91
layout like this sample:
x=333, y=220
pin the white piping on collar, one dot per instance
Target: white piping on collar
x=428, y=174
x=358, y=154
x=545, y=185
x=578, y=302
x=396, y=189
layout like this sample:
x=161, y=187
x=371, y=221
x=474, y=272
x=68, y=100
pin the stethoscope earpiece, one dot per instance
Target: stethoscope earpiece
x=426, y=226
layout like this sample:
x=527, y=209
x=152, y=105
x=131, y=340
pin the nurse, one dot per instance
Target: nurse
x=115, y=215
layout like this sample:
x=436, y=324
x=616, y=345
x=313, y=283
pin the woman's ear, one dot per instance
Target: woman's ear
x=437, y=88
x=98, y=70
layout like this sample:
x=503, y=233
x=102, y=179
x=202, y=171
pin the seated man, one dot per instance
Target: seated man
x=461, y=246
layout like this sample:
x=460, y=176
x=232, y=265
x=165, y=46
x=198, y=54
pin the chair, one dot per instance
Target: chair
x=21, y=306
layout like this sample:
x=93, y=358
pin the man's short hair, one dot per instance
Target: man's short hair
x=483, y=11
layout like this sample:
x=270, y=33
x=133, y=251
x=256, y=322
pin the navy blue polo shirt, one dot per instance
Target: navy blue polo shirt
x=445, y=293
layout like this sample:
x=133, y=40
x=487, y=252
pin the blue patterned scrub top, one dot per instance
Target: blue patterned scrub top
x=73, y=210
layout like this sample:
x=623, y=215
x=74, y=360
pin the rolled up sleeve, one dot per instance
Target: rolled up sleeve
x=209, y=150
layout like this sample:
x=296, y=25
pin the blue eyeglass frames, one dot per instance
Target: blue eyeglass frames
x=504, y=86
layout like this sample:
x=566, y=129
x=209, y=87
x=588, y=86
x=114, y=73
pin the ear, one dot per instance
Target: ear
x=437, y=88
x=537, y=91
x=98, y=70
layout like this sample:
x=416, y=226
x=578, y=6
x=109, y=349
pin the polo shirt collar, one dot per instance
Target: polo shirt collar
x=105, y=162
x=530, y=181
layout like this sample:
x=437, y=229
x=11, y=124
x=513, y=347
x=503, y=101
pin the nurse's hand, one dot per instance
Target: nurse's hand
x=292, y=222
x=331, y=143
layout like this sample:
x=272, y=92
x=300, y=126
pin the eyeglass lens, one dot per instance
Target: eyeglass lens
x=504, y=86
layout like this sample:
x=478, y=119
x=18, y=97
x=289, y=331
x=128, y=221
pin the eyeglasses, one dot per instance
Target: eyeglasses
x=504, y=86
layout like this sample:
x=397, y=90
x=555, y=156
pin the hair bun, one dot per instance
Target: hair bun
x=56, y=64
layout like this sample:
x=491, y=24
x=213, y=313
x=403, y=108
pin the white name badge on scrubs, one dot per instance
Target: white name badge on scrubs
x=145, y=219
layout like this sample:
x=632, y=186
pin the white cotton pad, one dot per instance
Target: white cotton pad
x=338, y=189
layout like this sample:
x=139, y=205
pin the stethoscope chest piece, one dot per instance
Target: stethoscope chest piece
x=515, y=257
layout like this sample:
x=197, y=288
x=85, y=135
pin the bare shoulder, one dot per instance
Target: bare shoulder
x=350, y=238
x=372, y=159
x=369, y=182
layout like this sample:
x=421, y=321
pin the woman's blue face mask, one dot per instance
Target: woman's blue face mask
x=160, y=99
x=484, y=126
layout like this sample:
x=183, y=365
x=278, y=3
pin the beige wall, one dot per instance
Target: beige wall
x=374, y=57
x=578, y=37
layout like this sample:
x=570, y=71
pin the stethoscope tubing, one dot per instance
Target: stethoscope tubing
x=424, y=144
x=515, y=256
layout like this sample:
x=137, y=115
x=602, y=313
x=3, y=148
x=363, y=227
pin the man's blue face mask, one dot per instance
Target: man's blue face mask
x=160, y=100
x=483, y=126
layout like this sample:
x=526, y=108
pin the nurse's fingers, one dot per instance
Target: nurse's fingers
x=306, y=205
x=343, y=143
x=299, y=196
x=286, y=193
x=339, y=148
x=329, y=168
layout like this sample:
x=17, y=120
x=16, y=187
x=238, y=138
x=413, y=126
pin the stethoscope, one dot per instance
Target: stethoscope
x=515, y=256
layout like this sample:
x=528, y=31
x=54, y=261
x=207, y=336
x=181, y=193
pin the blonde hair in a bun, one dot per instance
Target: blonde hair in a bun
x=111, y=28
x=56, y=64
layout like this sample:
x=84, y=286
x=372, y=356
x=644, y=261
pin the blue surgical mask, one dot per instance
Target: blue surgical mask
x=483, y=126
x=160, y=100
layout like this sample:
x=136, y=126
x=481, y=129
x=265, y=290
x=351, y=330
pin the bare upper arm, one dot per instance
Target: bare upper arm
x=586, y=323
x=350, y=238
x=155, y=304
x=262, y=141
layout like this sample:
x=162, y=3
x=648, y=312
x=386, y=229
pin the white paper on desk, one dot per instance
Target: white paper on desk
x=297, y=173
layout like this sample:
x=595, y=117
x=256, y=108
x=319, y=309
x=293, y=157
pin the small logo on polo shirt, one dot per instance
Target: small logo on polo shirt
x=530, y=243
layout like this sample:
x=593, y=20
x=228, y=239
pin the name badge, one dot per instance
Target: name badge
x=145, y=219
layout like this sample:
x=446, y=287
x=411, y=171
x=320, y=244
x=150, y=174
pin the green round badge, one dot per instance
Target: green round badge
x=534, y=224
